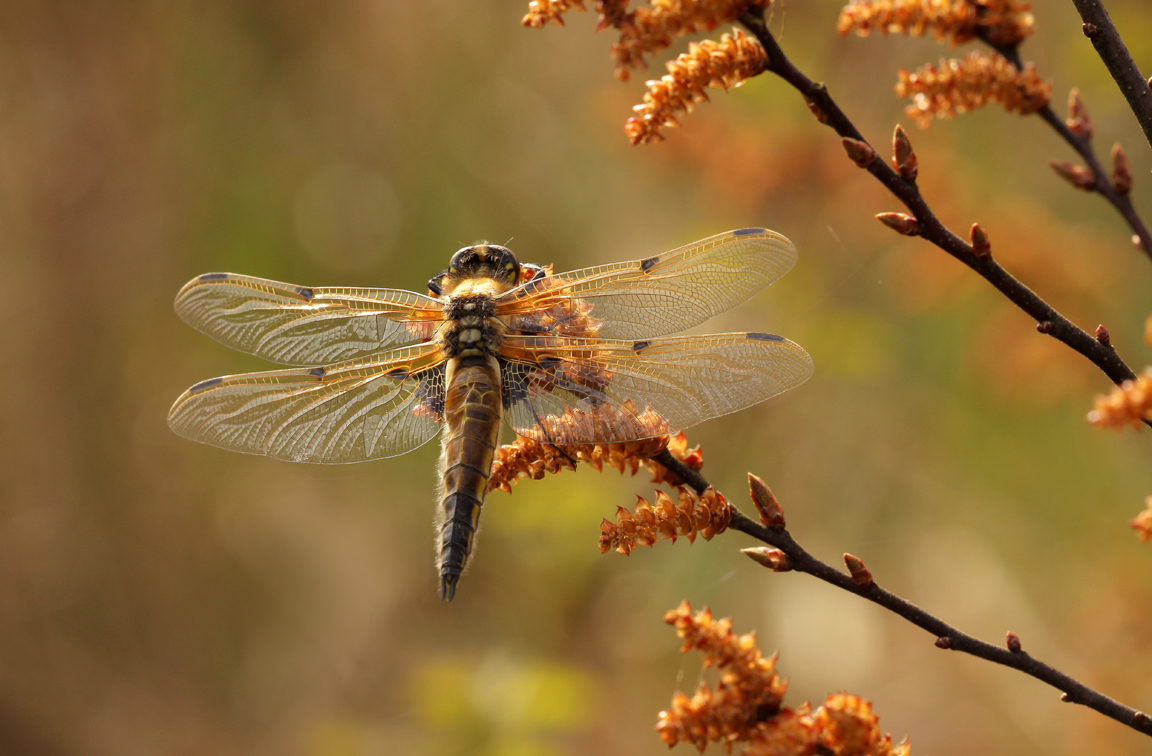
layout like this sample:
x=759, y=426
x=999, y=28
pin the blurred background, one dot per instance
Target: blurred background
x=163, y=597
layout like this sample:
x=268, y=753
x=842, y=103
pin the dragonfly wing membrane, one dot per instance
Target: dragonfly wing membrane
x=605, y=391
x=656, y=296
x=346, y=413
x=298, y=325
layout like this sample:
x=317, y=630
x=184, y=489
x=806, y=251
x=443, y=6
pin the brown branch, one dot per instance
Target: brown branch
x=1098, y=27
x=1083, y=146
x=1048, y=320
x=947, y=636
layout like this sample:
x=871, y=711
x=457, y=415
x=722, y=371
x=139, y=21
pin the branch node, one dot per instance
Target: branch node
x=944, y=642
x=1044, y=326
x=1065, y=698
x=1140, y=717
x=859, y=151
x=981, y=247
x=1090, y=30
x=899, y=222
x=903, y=156
x=817, y=111
x=1103, y=336
x=861, y=575
x=771, y=513
x=774, y=559
x=1013, y=642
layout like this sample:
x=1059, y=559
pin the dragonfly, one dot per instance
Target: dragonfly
x=584, y=357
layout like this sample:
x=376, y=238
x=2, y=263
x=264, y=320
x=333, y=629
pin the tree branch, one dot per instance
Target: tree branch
x=1098, y=27
x=1048, y=320
x=1083, y=147
x=947, y=636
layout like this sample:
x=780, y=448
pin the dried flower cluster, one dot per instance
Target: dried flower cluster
x=1142, y=523
x=706, y=515
x=749, y=692
x=646, y=30
x=722, y=64
x=1130, y=403
x=649, y=31
x=529, y=458
x=960, y=85
x=1001, y=22
x=746, y=705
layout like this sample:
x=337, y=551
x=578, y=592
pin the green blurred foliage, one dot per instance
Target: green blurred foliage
x=164, y=597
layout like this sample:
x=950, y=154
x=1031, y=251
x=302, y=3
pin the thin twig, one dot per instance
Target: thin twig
x=947, y=637
x=1048, y=320
x=1083, y=147
x=1098, y=27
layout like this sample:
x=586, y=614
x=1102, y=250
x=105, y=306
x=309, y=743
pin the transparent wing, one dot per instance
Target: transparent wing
x=579, y=391
x=652, y=297
x=298, y=325
x=346, y=413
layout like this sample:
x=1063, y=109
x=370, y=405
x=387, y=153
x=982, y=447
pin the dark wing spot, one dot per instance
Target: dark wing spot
x=646, y=265
x=318, y=372
x=764, y=336
x=548, y=361
x=397, y=373
x=305, y=292
x=205, y=385
x=638, y=346
x=212, y=277
x=747, y=231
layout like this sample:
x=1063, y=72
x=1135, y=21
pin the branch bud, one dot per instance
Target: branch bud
x=981, y=247
x=771, y=513
x=817, y=111
x=1079, y=122
x=1014, y=643
x=861, y=153
x=944, y=642
x=1121, y=171
x=1044, y=326
x=774, y=559
x=903, y=157
x=1077, y=175
x=899, y=222
x=1102, y=336
x=861, y=575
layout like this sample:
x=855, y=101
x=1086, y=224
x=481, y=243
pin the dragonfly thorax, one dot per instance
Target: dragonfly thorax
x=471, y=327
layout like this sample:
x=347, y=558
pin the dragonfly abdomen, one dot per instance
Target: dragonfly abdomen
x=472, y=407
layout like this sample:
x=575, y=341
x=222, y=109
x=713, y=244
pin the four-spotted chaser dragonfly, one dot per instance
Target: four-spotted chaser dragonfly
x=564, y=359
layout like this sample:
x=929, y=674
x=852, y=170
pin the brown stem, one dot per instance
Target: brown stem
x=1083, y=147
x=1098, y=27
x=1048, y=320
x=946, y=636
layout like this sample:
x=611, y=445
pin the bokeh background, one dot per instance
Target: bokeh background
x=162, y=597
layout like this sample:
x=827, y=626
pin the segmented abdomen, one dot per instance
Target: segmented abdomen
x=472, y=422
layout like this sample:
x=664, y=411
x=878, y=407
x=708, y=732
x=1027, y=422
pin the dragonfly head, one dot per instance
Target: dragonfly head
x=485, y=261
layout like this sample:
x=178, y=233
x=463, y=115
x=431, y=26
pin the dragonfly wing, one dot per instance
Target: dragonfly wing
x=579, y=391
x=346, y=413
x=298, y=325
x=655, y=296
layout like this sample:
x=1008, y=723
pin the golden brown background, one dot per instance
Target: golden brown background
x=162, y=597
